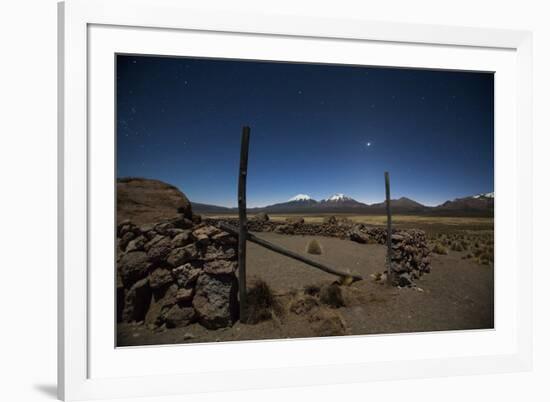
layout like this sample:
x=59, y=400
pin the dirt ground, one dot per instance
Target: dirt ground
x=456, y=295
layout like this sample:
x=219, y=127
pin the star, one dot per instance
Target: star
x=369, y=144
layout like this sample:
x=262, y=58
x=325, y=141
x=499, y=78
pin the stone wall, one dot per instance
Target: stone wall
x=410, y=251
x=175, y=273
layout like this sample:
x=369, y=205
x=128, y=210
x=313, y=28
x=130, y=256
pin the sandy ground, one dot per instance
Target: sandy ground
x=456, y=295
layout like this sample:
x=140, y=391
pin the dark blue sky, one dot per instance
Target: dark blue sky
x=315, y=129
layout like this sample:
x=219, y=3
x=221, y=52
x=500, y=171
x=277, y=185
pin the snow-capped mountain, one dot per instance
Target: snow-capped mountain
x=479, y=204
x=340, y=201
x=300, y=197
x=485, y=195
x=339, y=197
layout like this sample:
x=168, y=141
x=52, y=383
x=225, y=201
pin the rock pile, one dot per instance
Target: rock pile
x=410, y=257
x=176, y=272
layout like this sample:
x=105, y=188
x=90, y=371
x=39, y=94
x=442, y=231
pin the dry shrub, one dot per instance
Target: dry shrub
x=313, y=247
x=312, y=290
x=439, y=248
x=327, y=323
x=456, y=246
x=303, y=305
x=261, y=303
x=332, y=296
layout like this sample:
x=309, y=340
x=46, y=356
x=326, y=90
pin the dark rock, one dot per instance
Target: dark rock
x=217, y=267
x=174, y=232
x=137, y=301
x=357, y=236
x=184, y=295
x=224, y=238
x=284, y=229
x=186, y=275
x=182, y=239
x=137, y=244
x=216, y=300
x=160, y=278
x=164, y=227
x=125, y=239
x=159, y=250
x=178, y=316
x=160, y=304
x=405, y=280
x=154, y=240
x=181, y=255
x=204, y=233
x=148, y=201
x=219, y=253
x=132, y=267
x=261, y=217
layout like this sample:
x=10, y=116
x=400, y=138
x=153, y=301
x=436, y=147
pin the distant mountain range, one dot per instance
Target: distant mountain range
x=476, y=205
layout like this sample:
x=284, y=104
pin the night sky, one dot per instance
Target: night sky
x=315, y=129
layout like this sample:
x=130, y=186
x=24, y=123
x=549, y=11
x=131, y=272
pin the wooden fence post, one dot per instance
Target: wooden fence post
x=243, y=229
x=389, y=278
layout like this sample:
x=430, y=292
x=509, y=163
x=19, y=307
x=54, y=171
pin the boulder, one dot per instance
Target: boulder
x=184, y=295
x=186, y=275
x=137, y=244
x=219, y=253
x=179, y=316
x=224, y=238
x=215, y=300
x=149, y=201
x=125, y=239
x=218, y=267
x=357, y=236
x=132, y=267
x=161, y=302
x=137, y=301
x=261, y=217
x=181, y=255
x=160, y=278
x=182, y=239
x=159, y=249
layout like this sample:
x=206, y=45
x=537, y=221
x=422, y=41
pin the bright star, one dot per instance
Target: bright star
x=368, y=144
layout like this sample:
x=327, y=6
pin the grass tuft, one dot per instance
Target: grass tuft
x=439, y=248
x=261, y=303
x=313, y=247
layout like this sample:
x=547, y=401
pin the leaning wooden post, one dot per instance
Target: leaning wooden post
x=389, y=276
x=243, y=229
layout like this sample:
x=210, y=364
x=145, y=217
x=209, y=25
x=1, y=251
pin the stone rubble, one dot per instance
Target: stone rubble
x=175, y=273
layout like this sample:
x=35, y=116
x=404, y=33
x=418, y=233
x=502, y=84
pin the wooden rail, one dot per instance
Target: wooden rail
x=291, y=254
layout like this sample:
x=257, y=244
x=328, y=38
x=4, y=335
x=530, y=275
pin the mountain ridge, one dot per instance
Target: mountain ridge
x=475, y=205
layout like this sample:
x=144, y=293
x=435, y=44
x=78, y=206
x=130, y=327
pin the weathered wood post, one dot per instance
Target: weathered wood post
x=389, y=278
x=243, y=230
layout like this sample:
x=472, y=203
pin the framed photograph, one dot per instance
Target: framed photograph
x=253, y=201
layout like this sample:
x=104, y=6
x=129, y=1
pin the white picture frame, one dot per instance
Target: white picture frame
x=90, y=367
